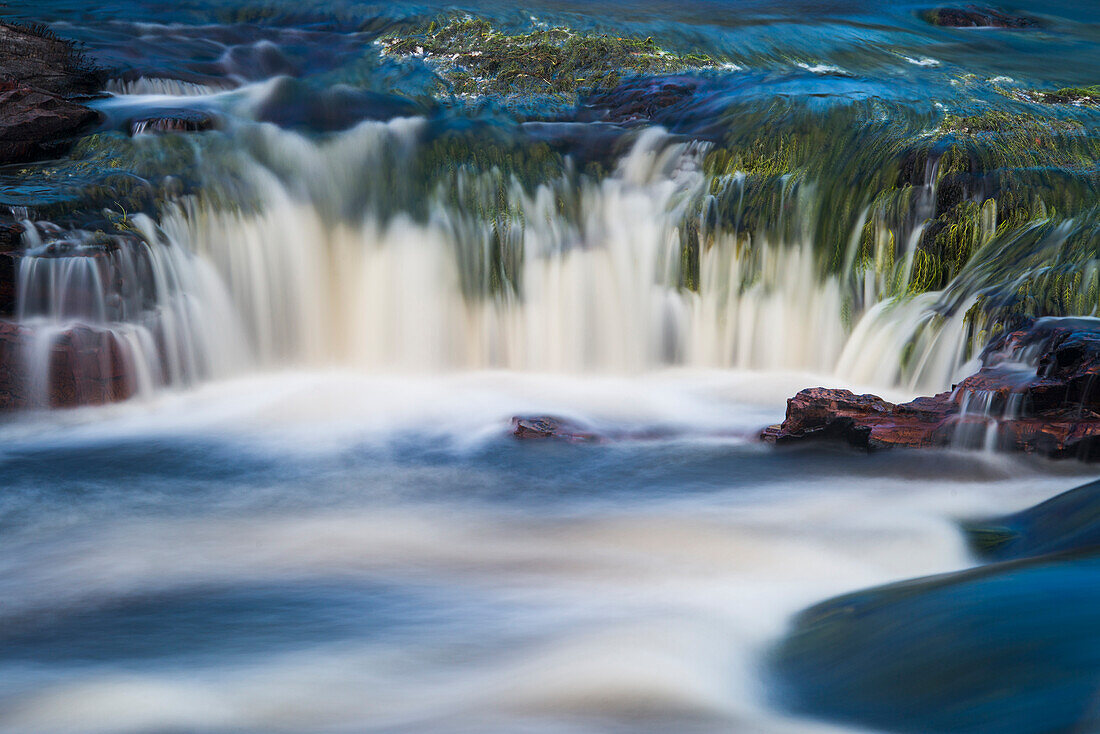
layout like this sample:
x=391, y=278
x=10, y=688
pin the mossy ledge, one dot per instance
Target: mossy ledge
x=1078, y=96
x=474, y=59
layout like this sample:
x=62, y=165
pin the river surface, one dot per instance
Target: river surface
x=328, y=552
x=321, y=523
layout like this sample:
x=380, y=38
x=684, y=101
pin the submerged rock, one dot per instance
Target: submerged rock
x=1005, y=649
x=544, y=427
x=1067, y=522
x=1052, y=408
x=978, y=16
x=643, y=99
x=473, y=58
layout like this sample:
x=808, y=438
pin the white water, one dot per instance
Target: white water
x=595, y=292
x=327, y=269
x=581, y=598
x=157, y=86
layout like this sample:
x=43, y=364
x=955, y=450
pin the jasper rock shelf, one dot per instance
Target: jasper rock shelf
x=1053, y=410
x=87, y=366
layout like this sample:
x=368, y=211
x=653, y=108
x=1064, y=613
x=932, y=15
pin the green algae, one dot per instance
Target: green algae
x=1081, y=96
x=993, y=207
x=474, y=59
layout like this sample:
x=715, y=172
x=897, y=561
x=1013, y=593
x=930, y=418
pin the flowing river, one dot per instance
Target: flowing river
x=311, y=517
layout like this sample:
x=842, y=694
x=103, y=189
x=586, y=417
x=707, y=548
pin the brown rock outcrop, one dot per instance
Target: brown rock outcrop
x=1052, y=409
x=547, y=427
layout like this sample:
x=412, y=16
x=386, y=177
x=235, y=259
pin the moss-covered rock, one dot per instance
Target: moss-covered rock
x=475, y=59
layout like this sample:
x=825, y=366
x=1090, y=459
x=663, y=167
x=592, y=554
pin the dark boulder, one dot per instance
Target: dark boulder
x=35, y=57
x=1004, y=649
x=1067, y=522
x=11, y=242
x=35, y=123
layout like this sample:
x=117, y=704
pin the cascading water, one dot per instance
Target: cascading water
x=338, y=247
x=313, y=275
x=142, y=305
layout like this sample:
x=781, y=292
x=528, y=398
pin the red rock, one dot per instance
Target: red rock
x=866, y=421
x=87, y=366
x=1053, y=410
x=547, y=427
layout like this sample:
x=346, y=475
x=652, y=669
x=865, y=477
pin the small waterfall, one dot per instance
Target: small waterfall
x=323, y=272
x=338, y=254
x=112, y=317
x=160, y=87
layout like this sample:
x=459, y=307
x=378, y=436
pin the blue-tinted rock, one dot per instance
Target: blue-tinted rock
x=1009, y=648
x=1070, y=521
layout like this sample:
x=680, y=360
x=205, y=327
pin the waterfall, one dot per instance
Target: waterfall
x=336, y=258
x=118, y=316
x=595, y=291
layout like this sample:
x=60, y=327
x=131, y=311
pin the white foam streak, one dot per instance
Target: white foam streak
x=644, y=613
x=156, y=86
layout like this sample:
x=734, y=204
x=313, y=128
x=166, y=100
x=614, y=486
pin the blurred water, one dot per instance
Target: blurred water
x=335, y=531
x=327, y=552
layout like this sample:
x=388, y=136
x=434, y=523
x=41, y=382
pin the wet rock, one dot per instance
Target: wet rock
x=11, y=241
x=1051, y=408
x=1080, y=96
x=9, y=275
x=11, y=235
x=82, y=365
x=294, y=104
x=547, y=427
x=865, y=421
x=978, y=16
x=1067, y=522
x=176, y=122
x=35, y=123
x=643, y=99
x=1004, y=649
x=35, y=57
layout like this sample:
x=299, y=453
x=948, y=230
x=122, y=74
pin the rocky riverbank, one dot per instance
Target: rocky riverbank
x=43, y=80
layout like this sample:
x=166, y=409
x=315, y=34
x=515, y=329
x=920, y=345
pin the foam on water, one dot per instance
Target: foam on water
x=651, y=614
